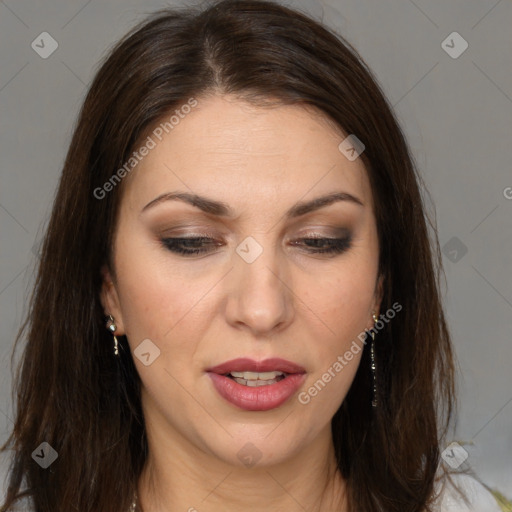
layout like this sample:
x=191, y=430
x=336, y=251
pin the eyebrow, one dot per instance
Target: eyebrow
x=221, y=209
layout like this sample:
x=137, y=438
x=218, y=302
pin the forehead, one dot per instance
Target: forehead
x=246, y=154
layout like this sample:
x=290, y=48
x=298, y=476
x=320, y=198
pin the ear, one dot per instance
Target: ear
x=110, y=300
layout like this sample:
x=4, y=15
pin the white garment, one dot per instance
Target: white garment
x=480, y=499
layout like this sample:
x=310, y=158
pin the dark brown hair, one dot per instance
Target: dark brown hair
x=71, y=392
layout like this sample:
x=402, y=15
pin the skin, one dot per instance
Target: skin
x=206, y=309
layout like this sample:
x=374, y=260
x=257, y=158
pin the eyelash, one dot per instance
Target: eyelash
x=337, y=245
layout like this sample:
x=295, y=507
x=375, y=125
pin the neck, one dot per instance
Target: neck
x=195, y=481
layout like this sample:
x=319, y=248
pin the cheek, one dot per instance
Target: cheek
x=153, y=297
x=163, y=310
x=343, y=305
x=342, y=299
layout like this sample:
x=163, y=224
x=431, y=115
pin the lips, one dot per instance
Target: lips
x=262, y=398
x=250, y=365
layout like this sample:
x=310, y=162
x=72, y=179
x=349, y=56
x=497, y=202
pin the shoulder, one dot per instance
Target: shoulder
x=453, y=489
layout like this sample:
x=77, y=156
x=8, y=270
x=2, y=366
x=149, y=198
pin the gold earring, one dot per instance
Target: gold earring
x=373, y=365
x=111, y=326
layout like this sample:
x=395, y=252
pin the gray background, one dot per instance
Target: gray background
x=456, y=113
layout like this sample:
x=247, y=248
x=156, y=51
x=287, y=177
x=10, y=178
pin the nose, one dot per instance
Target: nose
x=260, y=293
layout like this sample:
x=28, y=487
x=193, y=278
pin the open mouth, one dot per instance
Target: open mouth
x=256, y=379
x=259, y=392
x=254, y=385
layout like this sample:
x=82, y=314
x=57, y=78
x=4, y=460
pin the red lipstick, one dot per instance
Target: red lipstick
x=257, y=385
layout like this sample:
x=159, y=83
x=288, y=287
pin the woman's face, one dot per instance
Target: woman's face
x=254, y=286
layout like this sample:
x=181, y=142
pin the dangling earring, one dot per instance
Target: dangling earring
x=373, y=366
x=111, y=326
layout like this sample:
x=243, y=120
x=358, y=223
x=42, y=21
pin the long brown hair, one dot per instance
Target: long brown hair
x=70, y=390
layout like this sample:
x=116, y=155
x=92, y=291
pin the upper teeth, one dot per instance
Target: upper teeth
x=256, y=375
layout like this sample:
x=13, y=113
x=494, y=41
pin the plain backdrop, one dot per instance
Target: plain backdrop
x=454, y=104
